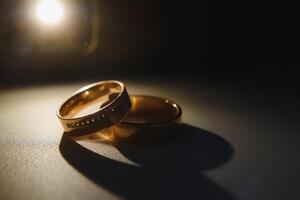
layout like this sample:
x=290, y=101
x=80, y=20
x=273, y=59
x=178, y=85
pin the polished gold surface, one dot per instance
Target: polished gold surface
x=150, y=119
x=116, y=106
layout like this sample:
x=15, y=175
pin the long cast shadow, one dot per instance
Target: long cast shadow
x=170, y=170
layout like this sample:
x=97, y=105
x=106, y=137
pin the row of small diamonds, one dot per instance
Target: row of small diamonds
x=87, y=122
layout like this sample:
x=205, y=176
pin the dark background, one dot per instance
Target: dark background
x=157, y=38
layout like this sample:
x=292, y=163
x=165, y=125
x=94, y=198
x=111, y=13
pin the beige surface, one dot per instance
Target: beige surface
x=264, y=163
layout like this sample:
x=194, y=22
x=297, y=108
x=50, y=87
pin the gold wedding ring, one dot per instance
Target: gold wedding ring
x=117, y=105
x=151, y=119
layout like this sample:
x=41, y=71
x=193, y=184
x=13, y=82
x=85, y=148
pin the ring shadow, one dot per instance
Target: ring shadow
x=169, y=170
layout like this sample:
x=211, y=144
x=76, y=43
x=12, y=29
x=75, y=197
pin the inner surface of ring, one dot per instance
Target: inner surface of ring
x=151, y=110
x=87, y=101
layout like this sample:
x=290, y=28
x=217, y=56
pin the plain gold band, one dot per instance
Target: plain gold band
x=151, y=119
x=116, y=108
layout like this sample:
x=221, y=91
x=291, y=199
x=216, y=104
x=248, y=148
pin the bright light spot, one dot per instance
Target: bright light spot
x=49, y=11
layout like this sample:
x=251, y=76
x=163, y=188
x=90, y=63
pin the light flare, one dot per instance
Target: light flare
x=49, y=11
